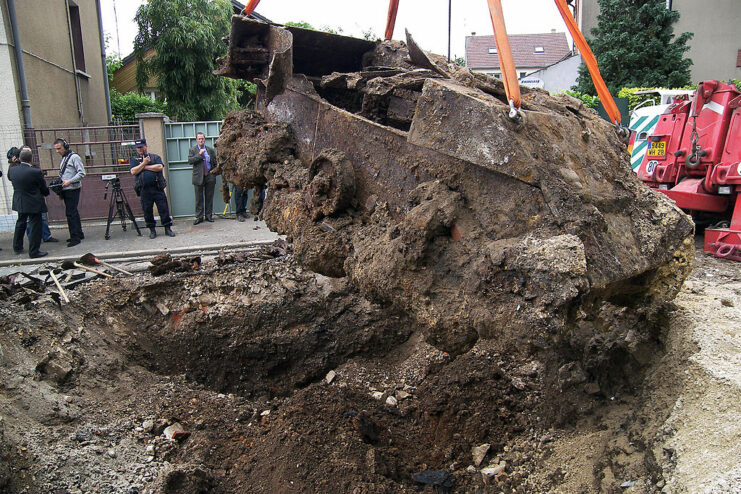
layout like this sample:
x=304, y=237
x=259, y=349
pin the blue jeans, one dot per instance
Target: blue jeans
x=45, y=232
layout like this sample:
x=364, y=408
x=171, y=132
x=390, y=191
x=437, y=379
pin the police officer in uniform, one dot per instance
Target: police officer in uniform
x=147, y=168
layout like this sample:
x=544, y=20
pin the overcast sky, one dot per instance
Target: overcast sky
x=426, y=20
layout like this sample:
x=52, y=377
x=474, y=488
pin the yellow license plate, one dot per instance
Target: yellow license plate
x=657, y=149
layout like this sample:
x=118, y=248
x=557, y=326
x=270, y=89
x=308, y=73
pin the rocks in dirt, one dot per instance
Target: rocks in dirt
x=479, y=452
x=493, y=471
x=402, y=395
x=165, y=263
x=391, y=401
x=175, y=432
x=184, y=479
x=330, y=376
x=437, y=478
x=727, y=302
x=571, y=374
x=57, y=365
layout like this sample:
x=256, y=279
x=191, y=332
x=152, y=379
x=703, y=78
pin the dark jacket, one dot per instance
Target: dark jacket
x=147, y=178
x=29, y=189
x=196, y=161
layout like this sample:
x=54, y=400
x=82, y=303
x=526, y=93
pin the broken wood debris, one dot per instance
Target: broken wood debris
x=278, y=248
x=164, y=263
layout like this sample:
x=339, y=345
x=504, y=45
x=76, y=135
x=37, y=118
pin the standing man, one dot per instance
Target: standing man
x=147, y=168
x=71, y=171
x=29, y=189
x=14, y=160
x=203, y=160
x=240, y=199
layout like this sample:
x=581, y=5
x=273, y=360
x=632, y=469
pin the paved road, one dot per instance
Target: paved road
x=225, y=233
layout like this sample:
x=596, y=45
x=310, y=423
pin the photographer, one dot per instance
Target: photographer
x=150, y=184
x=71, y=172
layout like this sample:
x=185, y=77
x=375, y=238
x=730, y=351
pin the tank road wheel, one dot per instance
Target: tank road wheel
x=332, y=184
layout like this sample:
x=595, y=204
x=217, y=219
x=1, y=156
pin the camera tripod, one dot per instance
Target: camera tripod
x=119, y=207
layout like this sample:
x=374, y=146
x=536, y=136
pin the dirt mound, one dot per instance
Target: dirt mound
x=348, y=397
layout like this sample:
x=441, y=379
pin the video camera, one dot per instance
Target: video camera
x=112, y=179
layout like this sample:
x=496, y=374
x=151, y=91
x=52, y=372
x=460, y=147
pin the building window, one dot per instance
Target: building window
x=522, y=74
x=492, y=51
x=74, y=19
x=539, y=49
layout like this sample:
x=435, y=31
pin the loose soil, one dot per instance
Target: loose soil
x=289, y=381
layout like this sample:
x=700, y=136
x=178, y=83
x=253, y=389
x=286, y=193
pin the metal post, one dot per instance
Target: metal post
x=450, y=10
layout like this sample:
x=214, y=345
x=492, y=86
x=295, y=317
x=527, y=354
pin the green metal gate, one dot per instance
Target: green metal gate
x=179, y=138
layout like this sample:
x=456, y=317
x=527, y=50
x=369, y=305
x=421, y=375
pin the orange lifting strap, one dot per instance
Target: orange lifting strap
x=506, y=62
x=586, y=53
x=391, y=19
x=250, y=7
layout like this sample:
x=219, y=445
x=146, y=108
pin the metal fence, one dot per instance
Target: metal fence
x=104, y=150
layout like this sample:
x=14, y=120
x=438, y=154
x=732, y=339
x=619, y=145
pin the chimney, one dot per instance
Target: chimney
x=473, y=33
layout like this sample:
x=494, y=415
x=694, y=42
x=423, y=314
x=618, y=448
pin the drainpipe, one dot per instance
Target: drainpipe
x=102, y=56
x=25, y=102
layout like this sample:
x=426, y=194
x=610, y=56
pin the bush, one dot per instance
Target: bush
x=126, y=106
x=588, y=100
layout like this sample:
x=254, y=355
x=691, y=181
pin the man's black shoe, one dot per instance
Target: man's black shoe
x=38, y=254
x=198, y=220
x=209, y=219
x=73, y=241
x=241, y=218
x=169, y=232
x=18, y=251
x=152, y=233
x=51, y=239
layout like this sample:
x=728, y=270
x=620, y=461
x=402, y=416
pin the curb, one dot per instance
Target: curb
x=138, y=253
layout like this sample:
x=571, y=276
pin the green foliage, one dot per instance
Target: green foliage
x=635, y=99
x=306, y=25
x=634, y=44
x=186, y=37
x=460, y=61
x=370, y=35
x=247, y=94
x=126, y=106
x=112, y=60
x=302, y=24
x=588, y=100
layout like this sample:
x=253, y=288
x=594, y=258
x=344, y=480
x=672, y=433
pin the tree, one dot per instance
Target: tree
x=112, y=59
x=186, y=38
x=635, y=46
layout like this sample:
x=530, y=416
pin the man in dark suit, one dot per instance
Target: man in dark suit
x=203, y=160
x=29, y=189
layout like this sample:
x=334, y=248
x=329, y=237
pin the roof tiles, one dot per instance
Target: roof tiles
x=555, y=47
